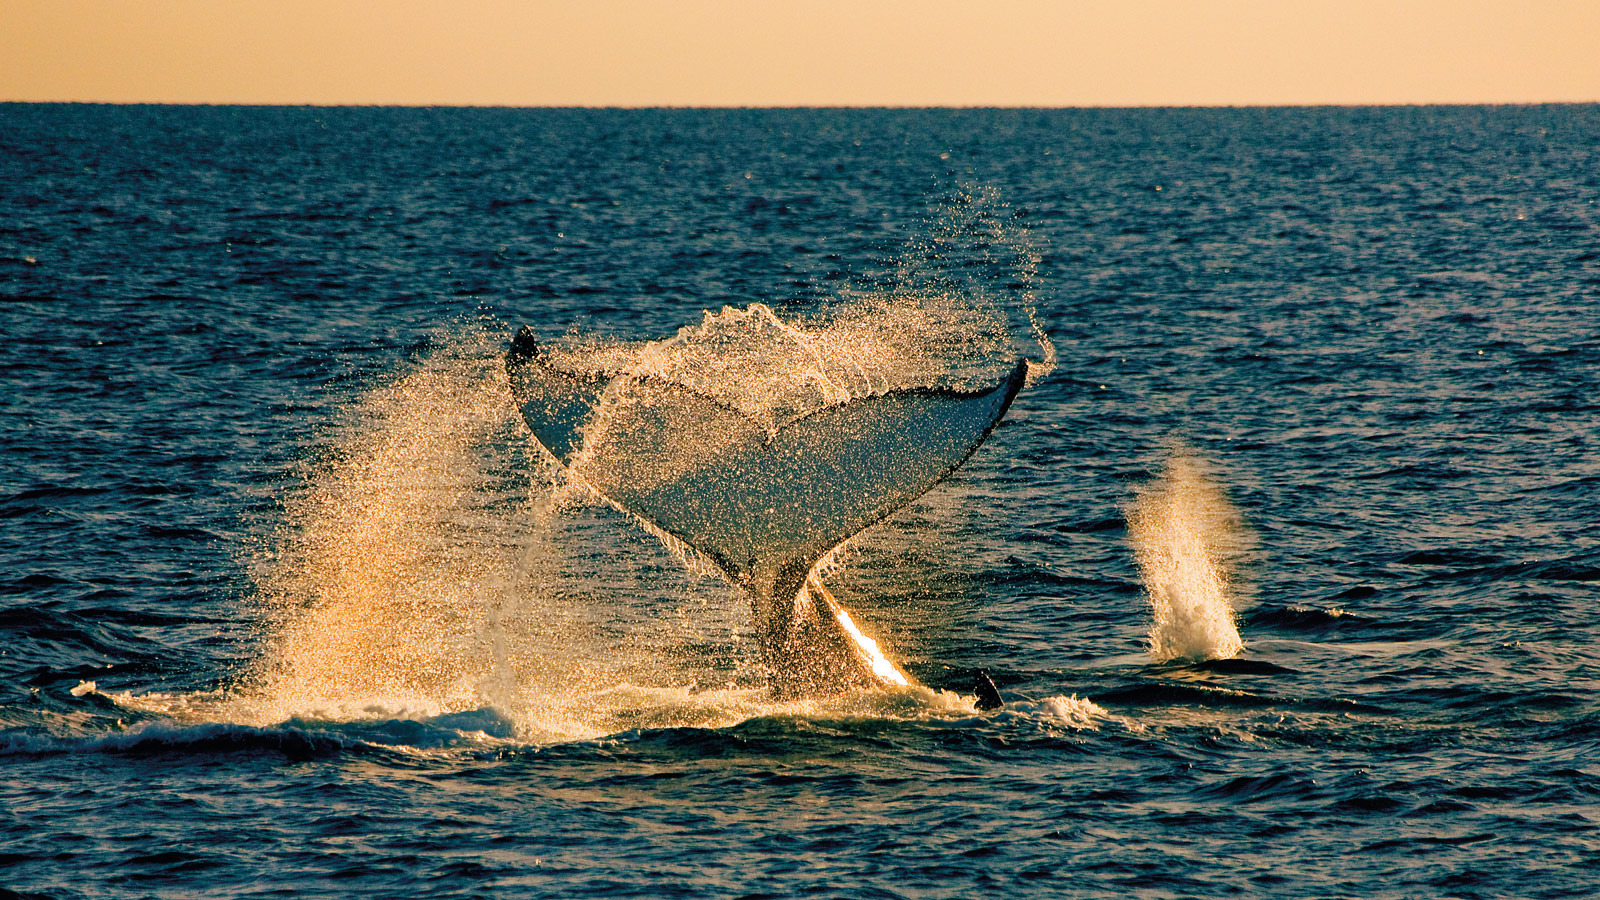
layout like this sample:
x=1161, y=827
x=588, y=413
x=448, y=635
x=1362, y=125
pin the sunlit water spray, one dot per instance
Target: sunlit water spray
x=431, y=567
x=1184, y=532
x=398, y=560
x=437, y=564
x=421, y=573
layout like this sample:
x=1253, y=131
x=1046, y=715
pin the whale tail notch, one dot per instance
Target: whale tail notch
x=763, y=504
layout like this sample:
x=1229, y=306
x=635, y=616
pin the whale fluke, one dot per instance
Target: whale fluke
x=763, y=501
x=988, y=695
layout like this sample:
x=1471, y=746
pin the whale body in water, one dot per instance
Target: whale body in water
x=764, y=501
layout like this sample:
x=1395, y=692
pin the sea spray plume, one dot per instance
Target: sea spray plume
x=393, y=571
x=1183, y=531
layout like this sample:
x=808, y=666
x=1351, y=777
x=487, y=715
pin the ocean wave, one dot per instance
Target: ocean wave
x=298, y=738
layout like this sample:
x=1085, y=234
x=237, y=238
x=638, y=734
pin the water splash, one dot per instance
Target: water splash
x=389, y=559
x=1184, y=532
x=420, y=574
x=973, y=251
x=436, y=563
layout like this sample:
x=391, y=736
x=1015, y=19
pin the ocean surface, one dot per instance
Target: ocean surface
x=1285, y=561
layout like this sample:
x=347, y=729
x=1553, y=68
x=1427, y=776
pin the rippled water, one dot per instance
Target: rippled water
x=287, y=606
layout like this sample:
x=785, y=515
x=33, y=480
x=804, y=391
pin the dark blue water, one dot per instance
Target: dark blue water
x=252, y=422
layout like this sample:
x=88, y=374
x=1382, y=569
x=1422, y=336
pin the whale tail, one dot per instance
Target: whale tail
x=763, y=501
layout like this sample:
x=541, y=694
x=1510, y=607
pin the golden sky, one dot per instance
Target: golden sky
x=801, y=52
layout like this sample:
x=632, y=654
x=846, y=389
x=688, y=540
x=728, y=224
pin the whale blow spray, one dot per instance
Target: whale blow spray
x=1184, y=531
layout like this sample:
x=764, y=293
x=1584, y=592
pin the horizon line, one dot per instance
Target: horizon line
x=806, y=106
